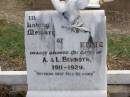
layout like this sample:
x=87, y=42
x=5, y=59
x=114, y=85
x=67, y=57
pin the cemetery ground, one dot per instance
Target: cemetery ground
x=12, y=48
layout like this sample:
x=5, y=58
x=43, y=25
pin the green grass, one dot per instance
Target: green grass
x=11, y=40
x=11, y=45
x=118, y=51
x=119, y=45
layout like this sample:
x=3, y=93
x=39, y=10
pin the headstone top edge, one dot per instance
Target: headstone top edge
x=54, y=11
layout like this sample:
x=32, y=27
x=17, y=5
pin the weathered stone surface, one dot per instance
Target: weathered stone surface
x=75, y=68
x=65, y=57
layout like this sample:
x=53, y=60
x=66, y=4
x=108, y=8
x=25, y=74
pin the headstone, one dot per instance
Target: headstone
x=65, y=61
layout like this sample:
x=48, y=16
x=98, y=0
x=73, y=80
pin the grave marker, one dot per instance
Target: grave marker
x=64, y=60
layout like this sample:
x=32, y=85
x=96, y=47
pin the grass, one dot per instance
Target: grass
x=12, y=49
x=118, y=51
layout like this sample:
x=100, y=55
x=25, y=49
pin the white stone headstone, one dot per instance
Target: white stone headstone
x=63, y=61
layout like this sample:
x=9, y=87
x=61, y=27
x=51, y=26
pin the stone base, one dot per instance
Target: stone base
x=101, y=93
